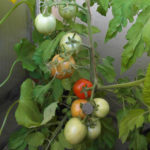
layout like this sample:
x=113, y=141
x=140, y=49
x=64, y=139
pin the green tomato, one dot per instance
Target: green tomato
x=70, y=42
x=75, y=131
x=102, y=107
x=67, y=11
x=45, y=24
x=95, y=130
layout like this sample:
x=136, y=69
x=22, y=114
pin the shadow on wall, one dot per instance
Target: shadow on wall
x=12, y=30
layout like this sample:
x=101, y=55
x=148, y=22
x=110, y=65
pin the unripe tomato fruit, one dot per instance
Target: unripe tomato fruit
x=78, y=88
x=61, y=68
x=75, y=131
x=67, y=11
x=76, y=109
x=102, y=107
x=45, y=24
x=70, y=42
x=94, y=132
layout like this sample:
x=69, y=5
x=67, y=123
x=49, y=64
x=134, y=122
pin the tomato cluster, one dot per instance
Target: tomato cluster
x=82, y=123
x=76, y=129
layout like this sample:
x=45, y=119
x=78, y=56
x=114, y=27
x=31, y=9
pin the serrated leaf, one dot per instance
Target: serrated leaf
x=123, y=11
x=40, y=91
x=66, y=83
x=27, y=113
x=108, y=136
x=103, y=6
x=35, y=139
x=133, y=119
x=57, y=89
x=45, y=51
x=107, y=69
x=138, y=141
x=84, y=73
x=146, y=89
x=138, y=40
x=16, y=140
x=49, y=112
x=25, y=50
x=82, y=15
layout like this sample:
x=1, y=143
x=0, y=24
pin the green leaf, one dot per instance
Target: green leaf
x=138, y=141
x=61, y=143
x=40, y=91
x=103, y=6
x=146, y=89
x=49, y=112
x=17, y=139
x=82, y=29
x=57, y=89
x=108, y=136
x=37, y=37
x=138, y=40
x=66, y=83
x=107, y=69
x=32, y=147
x=133, y=119
x=82, y=15
x=123, y=11
x=27, y=113
x=35, y=139
x=45, y=51
x=25, y=50
x=84, y=73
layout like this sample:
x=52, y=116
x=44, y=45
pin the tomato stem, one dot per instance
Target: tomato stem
x=56, y=132
x=10, y=11
x=123, y=85
x=91, y=51
x=70, y=3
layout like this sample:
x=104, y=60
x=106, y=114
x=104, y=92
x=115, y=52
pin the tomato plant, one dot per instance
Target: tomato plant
x=66, y=60
x=76, y=108
x=75, y=131
x=45, y=24
x=79, y=86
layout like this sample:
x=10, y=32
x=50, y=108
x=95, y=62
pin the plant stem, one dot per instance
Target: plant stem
x=91, y=50
x=122, y=85
x=10, y=72
x=10, y=11
x=56, y=132
x=6, y=116
x=70, y=3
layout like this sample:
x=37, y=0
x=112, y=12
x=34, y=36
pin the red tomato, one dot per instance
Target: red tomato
x=78, y=88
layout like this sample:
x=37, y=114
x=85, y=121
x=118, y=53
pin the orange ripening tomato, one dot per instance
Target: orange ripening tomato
x=62, y=68
x=76, y=109
x=78, y=88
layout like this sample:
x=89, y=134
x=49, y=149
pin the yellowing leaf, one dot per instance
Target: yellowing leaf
x=13, y=1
